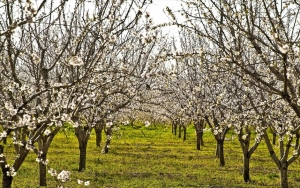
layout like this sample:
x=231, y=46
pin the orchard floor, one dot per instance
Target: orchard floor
x=153, y=157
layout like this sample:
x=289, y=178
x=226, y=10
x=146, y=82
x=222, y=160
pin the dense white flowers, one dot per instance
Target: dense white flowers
x=64, y=176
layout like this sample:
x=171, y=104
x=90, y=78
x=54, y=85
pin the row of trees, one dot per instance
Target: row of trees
x=69, y=63
x=238, y=67
x=87, y=63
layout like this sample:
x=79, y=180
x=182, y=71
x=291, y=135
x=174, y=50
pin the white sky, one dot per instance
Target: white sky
x=156, y=11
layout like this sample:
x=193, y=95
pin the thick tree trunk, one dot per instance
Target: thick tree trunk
x=82, y=159
x=246, y=170
x=284, y=175
x=184, y=133
x=221, y=152
x=6, y=180
x=43, y=172
x=98, y=136
x=175, y=129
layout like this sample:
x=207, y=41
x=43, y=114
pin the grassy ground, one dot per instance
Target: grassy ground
x=158, y=160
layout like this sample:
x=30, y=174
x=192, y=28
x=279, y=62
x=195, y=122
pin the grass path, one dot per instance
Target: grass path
x=160, y=160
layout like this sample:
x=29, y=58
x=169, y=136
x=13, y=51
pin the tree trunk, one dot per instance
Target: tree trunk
x=246, y=170
x=175, y=129
x=198, y=140
x=284, y=175
x=179, y=132
x=217, y=152
x=201, y=138
x=221, y=152
x=6, y=180
x=43, y=171
x=108, y=138
x=98, y=135
x=82, y=159
x=184, y=133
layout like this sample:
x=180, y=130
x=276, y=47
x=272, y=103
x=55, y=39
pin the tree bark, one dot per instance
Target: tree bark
x=43, y=171
x=246, y=170
x=98, y=131
x=221, y=152
x=198, y=141
x=217, y=153
x=284, y=175
x=6, y=180
x=179, y=132
x=82, y=158
x=201, y=138
x=108, y=138
x=184, y=133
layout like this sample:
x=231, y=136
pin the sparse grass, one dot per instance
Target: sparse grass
x=160, y=160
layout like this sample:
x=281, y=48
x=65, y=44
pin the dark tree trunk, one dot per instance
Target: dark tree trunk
x=179, y=131
x=198, y=141
x=284, y=175
x=217, y=150
x=221, y=152
x=43, y=171
x=199, y=131
x=4, y=140
x=175, y=129
x=201, y=138
x=184, y=133
x=98, y=131
x=82, y=159
x=6, y=180
x=246, y=170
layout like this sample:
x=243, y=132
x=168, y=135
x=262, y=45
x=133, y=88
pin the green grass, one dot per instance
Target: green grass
x=160, y=160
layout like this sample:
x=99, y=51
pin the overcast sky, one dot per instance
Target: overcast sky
x=156, y=10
